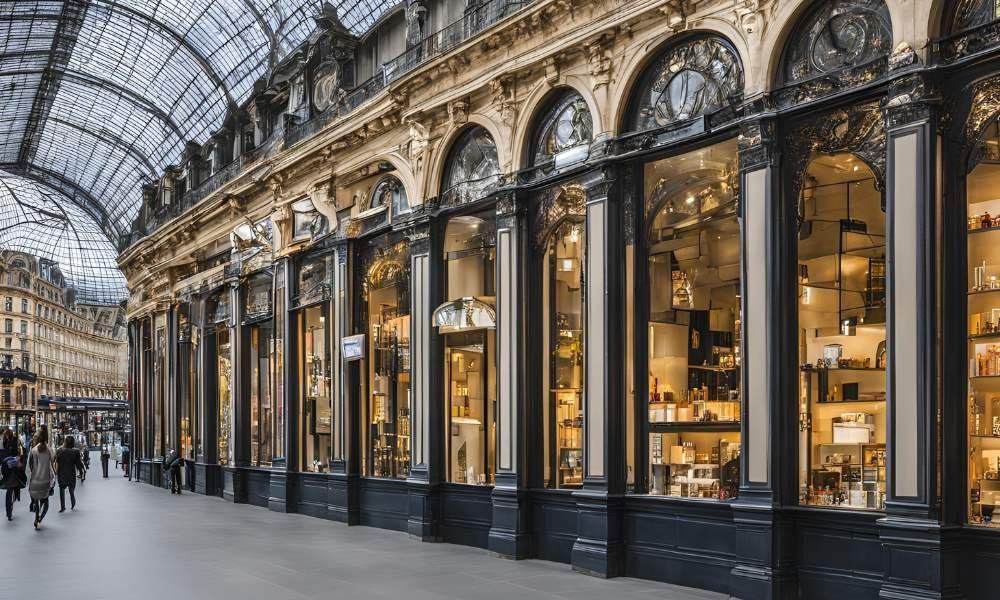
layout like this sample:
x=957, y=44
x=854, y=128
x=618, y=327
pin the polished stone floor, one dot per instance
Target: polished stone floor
x=129, y=540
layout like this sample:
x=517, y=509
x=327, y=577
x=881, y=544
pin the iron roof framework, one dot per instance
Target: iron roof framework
x=97, y=97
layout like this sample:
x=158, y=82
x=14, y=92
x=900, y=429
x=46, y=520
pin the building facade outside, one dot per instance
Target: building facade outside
x=55, y=349
x=702, y=292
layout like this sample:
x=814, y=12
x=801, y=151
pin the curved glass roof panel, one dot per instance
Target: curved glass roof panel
x=40, y=220
x=97, y=97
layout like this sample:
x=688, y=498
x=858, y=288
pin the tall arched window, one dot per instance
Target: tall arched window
x=472, y=171
x=563, y=133
x=695, y=77
x=836, y=35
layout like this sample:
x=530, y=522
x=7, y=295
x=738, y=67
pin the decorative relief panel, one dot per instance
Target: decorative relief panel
x=839, y=45
x=694, y=78
x=858, y=129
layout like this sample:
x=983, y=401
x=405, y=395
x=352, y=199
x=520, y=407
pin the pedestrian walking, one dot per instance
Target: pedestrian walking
x=12, y=477
x=42, y=475
x=126, y=462
x=68, y=464
x=32, y=442
x=105, y=457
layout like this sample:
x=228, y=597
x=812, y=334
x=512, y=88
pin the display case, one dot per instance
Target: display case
x=983, y=404
x=842, y=336
x=565, y=365
x=467, y=323
x=693, y=404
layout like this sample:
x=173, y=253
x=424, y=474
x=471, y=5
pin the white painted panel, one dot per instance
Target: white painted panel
x=903, y=266
x=593, y=339
x=506, y=300
x=420, y=373
x=755, y=324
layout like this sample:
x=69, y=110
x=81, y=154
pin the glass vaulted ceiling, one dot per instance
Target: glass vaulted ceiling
x=98, y=96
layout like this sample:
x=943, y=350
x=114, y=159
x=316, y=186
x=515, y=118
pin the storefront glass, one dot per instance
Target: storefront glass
x=842, y=349
x=386, y=415
x=258, y=312
x=314, y=375
x=694, y=326
x=562, y=365
x=225, y=391
x=467, y=320
x=984, y=329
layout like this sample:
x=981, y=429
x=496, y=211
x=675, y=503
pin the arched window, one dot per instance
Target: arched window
x=563, y=134
x=695, y=77
x=389, y=191
x=836, y=35
x=473, y=168
x=969, y=14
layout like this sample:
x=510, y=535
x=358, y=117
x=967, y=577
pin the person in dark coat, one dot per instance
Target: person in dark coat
x=12, y=475
x=172, y=463
x=105, y=457
x=68, y=463
x=127, y=461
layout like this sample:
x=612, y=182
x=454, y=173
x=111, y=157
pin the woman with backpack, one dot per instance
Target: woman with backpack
x=42, y=475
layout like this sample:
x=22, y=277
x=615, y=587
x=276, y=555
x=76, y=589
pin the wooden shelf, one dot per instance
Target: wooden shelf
x=983, y=230
x=979, y=292
x=832, y=369
x=695, y=426
x=826, y=403
x=983, y=336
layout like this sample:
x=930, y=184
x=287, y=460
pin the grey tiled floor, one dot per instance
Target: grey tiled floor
x=130, y=541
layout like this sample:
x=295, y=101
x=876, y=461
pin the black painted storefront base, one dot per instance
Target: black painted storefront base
x=739, y=549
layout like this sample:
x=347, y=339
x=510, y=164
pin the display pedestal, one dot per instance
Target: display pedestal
x=599, y=549
x=509, y=534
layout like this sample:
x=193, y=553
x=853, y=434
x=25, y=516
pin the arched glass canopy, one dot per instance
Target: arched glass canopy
x=39, y=220
x=98, y=96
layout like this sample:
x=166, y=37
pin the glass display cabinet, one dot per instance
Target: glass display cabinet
x=563, y=290
x=386, y=426
x=468, y=323
x=983, y=244
x=694, y=327
x=842, y=304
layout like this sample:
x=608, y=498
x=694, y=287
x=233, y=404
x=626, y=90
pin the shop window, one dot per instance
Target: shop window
x=984, y=328
x=562, y=264
x=692, y=78
x=261, y=407
x=564, y=132
x=467, y=321
x=837, y=35
x=473, y=168
x=219, y=318
x=386, y=415
x=693, y=397
x=314, y=375
x=842, y=336
x=969, y=14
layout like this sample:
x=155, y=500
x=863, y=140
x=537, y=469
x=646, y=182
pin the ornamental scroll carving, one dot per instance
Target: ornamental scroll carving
x=858, y=129
x=985, y=105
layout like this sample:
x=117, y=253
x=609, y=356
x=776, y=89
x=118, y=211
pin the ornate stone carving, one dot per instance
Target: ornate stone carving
x=756, y=144
x=503, y=89
x=902, y=56
x=985, y=105
x=458, y=111
x=599, y=60
x=415, y=14
x=858, y=129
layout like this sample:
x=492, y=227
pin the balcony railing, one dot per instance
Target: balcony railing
x=476, y=20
